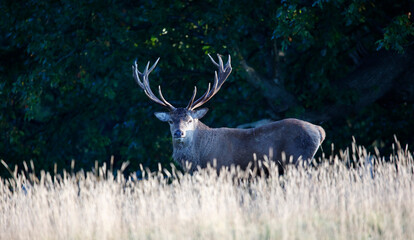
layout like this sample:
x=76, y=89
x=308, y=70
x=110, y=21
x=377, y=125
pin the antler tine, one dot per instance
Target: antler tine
x=219, y=79
x=153, y=66
x=228, y=62
x=144, y=84
x=146, y=73
x=192, y=98
x=212, y=59
x=220, y=62
x=213, y=90
x=208, y=94
x=136, y=73
x=203, y=98
x=163, y=99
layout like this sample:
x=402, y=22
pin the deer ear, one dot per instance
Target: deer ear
x=199, y=113
x=163, y=116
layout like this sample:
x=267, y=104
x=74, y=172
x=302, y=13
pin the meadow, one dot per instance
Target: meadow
x=351, y=195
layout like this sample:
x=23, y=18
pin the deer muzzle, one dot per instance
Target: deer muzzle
x=178, y=134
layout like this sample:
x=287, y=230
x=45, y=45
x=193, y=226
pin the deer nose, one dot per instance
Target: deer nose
x=179, y=134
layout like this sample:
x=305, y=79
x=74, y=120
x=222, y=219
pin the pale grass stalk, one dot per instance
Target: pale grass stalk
x=331, y=201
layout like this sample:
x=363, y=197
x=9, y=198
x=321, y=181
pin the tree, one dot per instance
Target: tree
x=67, y=90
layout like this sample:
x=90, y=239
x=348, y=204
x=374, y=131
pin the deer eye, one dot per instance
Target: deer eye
x=190, y=120
x=170, y=121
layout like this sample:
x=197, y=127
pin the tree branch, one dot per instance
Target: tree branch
x=375, y=77
x=278, y=97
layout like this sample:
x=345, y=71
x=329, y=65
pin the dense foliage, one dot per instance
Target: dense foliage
x=66, y=88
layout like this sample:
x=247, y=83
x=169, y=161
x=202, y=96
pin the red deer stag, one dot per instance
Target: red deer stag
x=199, y=144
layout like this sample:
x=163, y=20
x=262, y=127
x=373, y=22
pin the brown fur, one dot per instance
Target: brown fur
x=230, y=146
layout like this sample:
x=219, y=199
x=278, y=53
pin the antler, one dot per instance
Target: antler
x=144, y=84
x=219, y=79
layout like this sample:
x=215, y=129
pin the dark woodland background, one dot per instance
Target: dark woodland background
x=67, y=92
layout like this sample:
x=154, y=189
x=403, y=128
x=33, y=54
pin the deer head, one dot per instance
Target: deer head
x=183, y=121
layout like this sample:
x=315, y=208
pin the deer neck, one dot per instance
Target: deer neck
x=193, y=149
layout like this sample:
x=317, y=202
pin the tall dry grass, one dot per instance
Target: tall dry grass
x=371, y=200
